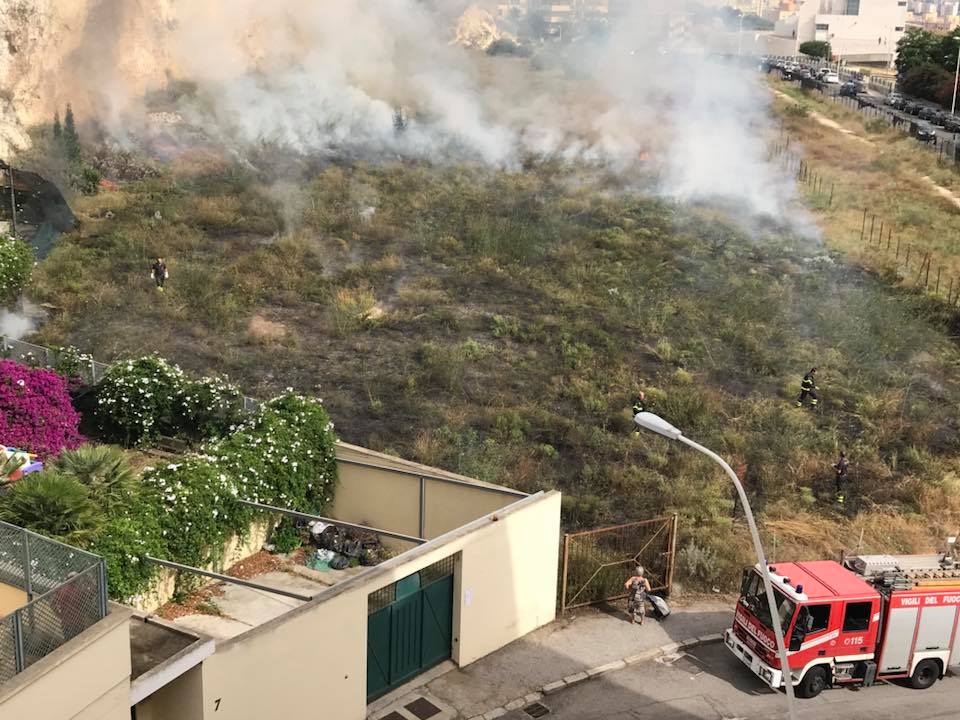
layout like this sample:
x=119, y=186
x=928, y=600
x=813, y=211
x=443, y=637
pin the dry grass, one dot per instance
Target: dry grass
x=352, y=307
x=262, y=331
x=885, y=177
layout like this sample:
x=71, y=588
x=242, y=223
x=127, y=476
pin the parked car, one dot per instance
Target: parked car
x=927, y=113
x=848, y=89
x=893, y=99
x=898, y=103
x=912, y=108
x=951, y=123
x=923, y=133
x=831, y=78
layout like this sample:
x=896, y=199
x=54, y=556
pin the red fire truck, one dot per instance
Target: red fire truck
x=871, y=618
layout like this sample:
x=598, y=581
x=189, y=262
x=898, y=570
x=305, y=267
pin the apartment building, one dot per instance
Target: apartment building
x=861, y=31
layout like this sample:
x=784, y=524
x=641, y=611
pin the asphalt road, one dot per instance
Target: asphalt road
x=709, y=684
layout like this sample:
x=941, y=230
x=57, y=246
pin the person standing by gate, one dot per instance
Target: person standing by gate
x=637, y=588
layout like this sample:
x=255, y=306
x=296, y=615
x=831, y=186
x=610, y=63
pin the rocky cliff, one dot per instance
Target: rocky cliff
x=87, y=52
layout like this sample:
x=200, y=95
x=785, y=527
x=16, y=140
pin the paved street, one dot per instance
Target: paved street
x=708, y=684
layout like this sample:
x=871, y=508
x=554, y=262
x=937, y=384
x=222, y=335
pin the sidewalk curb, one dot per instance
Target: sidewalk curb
x=583, y=676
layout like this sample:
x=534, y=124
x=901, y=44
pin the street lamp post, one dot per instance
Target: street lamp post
x=658, y=425
x=956, y=81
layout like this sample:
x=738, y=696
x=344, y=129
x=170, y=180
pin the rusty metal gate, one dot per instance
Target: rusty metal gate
x=596, y=563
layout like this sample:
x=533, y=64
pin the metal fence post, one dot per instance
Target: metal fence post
x=423, y=504
x=563, y=581
x=28, y=581
x=102, y=572
x=18, y=658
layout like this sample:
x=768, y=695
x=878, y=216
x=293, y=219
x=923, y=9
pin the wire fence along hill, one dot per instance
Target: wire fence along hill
x=92, y=373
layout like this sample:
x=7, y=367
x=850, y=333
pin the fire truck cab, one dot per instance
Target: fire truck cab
x=871, y=618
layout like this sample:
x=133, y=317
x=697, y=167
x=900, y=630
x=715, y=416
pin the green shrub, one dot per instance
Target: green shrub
x=73, y=364
x=286, y=537
x=209, y=406
x=124, y=541
x=796, y=110
x=16, y=266
x=139, y=399
x=103, y=470
x=53, y=505
x=283, y=455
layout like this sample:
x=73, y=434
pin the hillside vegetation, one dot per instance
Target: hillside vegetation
x=499, y=324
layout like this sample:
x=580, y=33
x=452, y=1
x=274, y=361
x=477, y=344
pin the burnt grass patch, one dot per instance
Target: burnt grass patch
x=500, y=324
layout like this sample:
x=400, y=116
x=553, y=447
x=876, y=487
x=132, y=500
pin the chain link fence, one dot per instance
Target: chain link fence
x=92, y=372
x=66, y=592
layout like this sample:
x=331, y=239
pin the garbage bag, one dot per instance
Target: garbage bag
x=660, y=607
x=340, y=562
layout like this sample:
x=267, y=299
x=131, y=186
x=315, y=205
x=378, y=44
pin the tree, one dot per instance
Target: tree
x=817, y=49
x=71, y=139
x=917, y=47
x=57, y=127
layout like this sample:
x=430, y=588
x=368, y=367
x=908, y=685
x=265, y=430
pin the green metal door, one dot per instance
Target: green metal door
x=437, y=622
x=409, y=628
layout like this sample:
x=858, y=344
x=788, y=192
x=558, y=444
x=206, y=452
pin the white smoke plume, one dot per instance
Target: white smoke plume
x=327, y=77
x=20, y=322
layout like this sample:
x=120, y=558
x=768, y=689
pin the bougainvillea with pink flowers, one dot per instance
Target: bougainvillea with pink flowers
x=35, y=411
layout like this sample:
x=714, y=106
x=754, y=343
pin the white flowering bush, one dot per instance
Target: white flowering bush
x=145, y=397
x=139, y=399
x=210, y=405
x=282, y=455
x=16, y=267
x=74, y=365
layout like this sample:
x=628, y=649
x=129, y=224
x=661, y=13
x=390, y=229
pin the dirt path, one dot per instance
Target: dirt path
x=943, y=192
x=940, y=190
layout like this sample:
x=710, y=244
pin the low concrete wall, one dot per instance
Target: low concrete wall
x=11, y=598
x=234, y=550
x=88, y=678
x=316, y=655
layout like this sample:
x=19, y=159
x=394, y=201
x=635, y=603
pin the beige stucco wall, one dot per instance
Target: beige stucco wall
x=88, y=678
x=180, y=700
x=388, y=500
x=505, y=586
x=11, y=598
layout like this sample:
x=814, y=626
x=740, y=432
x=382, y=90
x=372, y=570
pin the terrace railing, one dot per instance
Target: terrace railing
x=66, y=592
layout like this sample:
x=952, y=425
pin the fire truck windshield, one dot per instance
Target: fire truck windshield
x=754, y=597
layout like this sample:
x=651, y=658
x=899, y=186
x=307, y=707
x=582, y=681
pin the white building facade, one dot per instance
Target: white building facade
x=859, y=31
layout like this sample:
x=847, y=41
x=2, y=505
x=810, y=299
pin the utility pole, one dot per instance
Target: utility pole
x=956, y=80
x=13, y=202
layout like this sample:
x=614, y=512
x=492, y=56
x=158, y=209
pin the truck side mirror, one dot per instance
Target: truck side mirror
x=795, y=642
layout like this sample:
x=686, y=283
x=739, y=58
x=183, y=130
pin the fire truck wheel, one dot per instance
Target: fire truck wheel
x=813, y=683
x=926, y=674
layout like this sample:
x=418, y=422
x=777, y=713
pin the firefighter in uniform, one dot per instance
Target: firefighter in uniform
x=841, y=467
x=808, y=386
